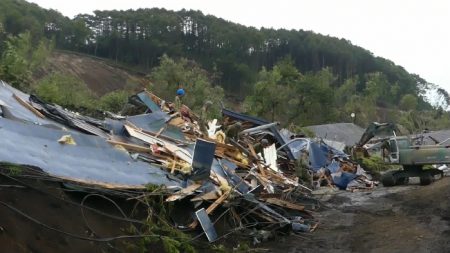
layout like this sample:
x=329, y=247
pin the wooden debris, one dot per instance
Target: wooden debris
x=28, y=106
x=131, y=147
x=284, y=203
x=174, y=149
x=183, y=192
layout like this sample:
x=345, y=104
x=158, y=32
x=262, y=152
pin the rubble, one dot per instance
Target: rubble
x=242, y=164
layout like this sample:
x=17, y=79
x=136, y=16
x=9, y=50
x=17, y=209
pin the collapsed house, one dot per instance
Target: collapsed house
x=246, y=165
x=157, y=147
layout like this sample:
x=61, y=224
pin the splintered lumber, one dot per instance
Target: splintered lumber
x=284, y=203
x=239, y=164
x=174, y=149
x=212, y=195
x=253, y=152
x=160, y=131
x=280, y=178
x=28, y=106
x=172, y=170
x=229, y=152
x=212, y=207
x=132, y=147
x=183, y=192
x=137, y=133
x=221, y=181
x=265, y=217
x=218, y=201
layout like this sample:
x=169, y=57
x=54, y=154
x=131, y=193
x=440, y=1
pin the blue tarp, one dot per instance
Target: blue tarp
x=343, y=179
x=319, y=152
x=334, y=166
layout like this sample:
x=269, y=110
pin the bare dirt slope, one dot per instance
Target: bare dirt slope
x=400, y=219
x=44, y=205
x=100, y=75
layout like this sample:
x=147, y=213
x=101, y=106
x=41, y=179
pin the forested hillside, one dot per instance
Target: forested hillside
x=295, y=76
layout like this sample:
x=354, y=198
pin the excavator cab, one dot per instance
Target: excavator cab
x=393, y=151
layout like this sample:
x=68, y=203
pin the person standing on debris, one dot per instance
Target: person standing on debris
x=233, y=131
x=179, y=107
x=259, y=147
x=385, y=148
x=203, y=114
x=178, y=102
x=302, y=167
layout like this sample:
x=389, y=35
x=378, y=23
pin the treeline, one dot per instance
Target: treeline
x=235, y=52
x=295, y=76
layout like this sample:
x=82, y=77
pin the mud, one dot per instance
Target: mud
x=48, y=207
x=408, y=218
x=101, y=76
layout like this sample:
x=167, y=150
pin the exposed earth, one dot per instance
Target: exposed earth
x=410, y=218
x=100, y=75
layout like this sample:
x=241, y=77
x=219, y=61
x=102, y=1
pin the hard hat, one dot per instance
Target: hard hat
x=180, y=92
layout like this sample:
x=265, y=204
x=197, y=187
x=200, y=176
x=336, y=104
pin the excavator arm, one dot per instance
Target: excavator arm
x=375, y=129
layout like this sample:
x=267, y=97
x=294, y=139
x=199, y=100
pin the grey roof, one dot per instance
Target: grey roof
x=347, y=133
x=27, y=139
x=440, y=136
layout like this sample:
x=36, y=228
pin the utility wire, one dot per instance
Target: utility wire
x=80, y=237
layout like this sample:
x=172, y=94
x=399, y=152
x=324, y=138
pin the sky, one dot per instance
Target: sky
x=414, y=33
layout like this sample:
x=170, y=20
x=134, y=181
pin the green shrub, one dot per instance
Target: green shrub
x=375, y=164
x=66, y=91
x=114, y=101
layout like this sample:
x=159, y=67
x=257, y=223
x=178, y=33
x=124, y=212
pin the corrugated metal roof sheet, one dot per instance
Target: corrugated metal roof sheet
x=347, y=133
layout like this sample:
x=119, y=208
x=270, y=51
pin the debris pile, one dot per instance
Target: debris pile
x=326, y=165
x=261, y=176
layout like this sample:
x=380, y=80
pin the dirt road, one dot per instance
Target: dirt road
x=409, y=218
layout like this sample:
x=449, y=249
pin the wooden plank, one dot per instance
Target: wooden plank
x=218, y=201
x=92, y=183
x=160, y=131
x=212, y=195
x=28, y=106
x=132, y=147
x=172, y=170
x=183, y=192
x=284, y=203
x=212, y=207
x=174, y=149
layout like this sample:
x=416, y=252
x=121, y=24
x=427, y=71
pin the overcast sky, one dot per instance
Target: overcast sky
x=412, y=33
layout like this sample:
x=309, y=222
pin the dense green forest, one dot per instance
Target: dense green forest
x=294, y=76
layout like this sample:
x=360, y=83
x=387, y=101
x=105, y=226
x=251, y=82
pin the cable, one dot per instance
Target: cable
x=74, y=203
x=84, y=238
x=110, y=200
